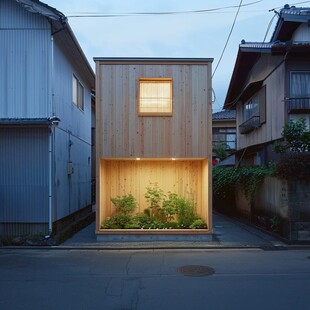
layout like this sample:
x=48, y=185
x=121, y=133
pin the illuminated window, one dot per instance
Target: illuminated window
x=77, y=93
x=155, y=97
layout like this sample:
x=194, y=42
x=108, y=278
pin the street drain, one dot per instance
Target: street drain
x=196, y=270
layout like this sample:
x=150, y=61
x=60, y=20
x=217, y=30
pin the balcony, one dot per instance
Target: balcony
x=298, y=105
x=249, y=125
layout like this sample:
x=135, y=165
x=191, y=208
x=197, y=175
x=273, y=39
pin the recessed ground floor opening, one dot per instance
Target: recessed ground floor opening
x=188, y=178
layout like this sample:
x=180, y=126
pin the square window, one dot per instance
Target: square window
x=155, y=97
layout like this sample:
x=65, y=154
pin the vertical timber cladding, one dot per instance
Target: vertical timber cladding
x=123, y=135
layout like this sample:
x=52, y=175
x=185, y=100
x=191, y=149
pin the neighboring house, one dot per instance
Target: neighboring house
x=270, y=85
x=45, y=120
x=153, y=127
x=224, y=129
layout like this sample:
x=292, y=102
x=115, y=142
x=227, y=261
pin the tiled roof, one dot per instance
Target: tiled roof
x=268, y=46
x=225, y=114
x=293, y=11
x=289, y=19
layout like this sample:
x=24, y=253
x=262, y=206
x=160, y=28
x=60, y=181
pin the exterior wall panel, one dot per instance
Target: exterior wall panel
x=25, y=59
x=13, y=16
x=124, y=134
x=24, y=175
x=72, y=139
x=275, y=113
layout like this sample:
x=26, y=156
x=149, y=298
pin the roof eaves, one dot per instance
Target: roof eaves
x=43, y=9
x=29, y=121
x=152, y=60
x=59, y=22
x=290, y=15
x=246, y=58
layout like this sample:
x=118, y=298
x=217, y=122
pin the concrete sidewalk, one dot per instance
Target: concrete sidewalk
x=227, y=233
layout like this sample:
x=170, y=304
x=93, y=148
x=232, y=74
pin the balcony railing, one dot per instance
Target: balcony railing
x=249, y=125
x=298, y=105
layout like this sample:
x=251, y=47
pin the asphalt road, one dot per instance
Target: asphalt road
x=136, y=279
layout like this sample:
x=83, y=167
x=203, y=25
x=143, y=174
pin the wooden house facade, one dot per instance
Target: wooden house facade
x=163, y=138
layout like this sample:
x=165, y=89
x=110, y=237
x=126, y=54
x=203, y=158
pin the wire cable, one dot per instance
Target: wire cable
x=269, y=26
x=229, y=35
x=281, y=7
x=90, y=14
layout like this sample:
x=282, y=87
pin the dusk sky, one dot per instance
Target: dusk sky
x=119, y=32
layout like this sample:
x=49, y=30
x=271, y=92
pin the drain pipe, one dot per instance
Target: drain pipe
x=50, y=143
x=50, y=181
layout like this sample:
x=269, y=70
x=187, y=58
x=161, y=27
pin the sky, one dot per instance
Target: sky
x=185, y=33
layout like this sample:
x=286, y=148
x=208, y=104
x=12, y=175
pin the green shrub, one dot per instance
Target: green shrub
x=118, y=221
x=294, y=166
x=163, y=212
x=154, y=197
x=186, y=212
x=296, y=137
x=198, y=224
x=124, y=204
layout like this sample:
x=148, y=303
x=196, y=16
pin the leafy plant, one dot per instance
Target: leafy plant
x=294, y=166
x=163, y=212
x=186, y=212
x=169, y=207
x=118, y=221
x=226, y=180
x=198, y=224
x=154, y=196
x=124, y=204
x=296, y=137
x=220, y=151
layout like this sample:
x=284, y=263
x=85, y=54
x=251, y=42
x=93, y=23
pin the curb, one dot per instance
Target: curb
x=174, y=246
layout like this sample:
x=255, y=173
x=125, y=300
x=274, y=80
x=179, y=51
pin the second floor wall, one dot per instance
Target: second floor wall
x=261, y=117
x=124, y=132
x=25, y=49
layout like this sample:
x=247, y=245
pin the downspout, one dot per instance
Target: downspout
x=50, y=181
x=50, y=146
x=54, y=122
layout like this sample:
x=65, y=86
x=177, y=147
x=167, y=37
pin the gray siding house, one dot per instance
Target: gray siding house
x=46, y=88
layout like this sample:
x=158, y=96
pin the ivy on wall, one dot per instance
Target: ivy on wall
x=227, y=180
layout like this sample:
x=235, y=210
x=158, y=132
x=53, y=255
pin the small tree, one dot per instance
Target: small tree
x=295, y=159
x=220, y=151
x=296, y=137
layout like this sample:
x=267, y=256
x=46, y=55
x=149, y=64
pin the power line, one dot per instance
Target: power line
x=280, y=7
x=229, y=35
x=94, y=14
x=269, y=25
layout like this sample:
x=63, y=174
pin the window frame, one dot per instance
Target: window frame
x=292, y=95
x=155, y=113
x=77, y=97
x=220, y=136
x=253, y=111
x=258, y=116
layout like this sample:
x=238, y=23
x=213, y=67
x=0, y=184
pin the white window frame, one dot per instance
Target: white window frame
x=157, y=106
x=77, y=93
